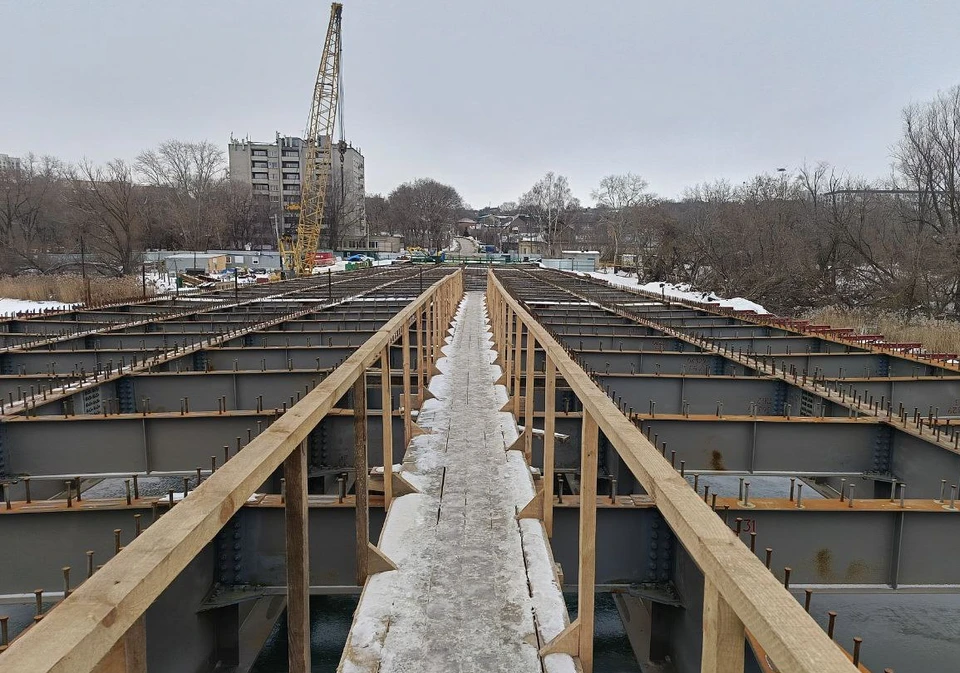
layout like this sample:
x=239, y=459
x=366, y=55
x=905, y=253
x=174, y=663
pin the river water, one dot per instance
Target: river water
x=331, y=616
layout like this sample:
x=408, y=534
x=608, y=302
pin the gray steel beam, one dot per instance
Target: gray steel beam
x=144, y=443
x=37, y=545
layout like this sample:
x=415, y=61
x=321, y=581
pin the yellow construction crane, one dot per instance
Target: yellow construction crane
x=298, y=255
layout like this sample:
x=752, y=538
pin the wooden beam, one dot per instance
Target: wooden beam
x=296, y=515
x=533, y=509
x=129, y=654
x=361, y=472
x=549, y=442
x=407, y=411
x=517, y=359
x=83, y=628
x=723, y=636
x=135, y=646
x=792, y=639
x=528, y=399
x=507, y=346
x=565, y=642
x=421, y=354
x=379, y=562
x=386, y=404
x=586, y=579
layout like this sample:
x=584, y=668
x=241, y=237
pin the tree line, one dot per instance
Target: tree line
x=174, y=196
x=792, y=240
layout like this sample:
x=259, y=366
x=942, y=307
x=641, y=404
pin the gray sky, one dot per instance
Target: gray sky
x=486, y=95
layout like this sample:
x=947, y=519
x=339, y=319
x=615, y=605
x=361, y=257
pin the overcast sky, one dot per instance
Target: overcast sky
x=486, y=95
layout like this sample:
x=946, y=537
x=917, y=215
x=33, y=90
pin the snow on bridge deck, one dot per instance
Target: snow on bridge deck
x=475, y=589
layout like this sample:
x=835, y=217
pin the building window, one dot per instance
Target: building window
x=259, y=164
x=259, y=153
x=273, y=164
x=275, y=198
x=291, y=164
x=291, y=153
x=273, y=153
x=291, y=176
x=274, y=188
x=259, y=176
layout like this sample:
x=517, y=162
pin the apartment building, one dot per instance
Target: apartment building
x=8, y=163
x=274, y=172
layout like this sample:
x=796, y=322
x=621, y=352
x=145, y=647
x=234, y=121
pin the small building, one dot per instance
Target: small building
x=465, y=227
x=582, y=256
x=531, y=245
x=386, y=243
x=250, y=259
x=203, y=262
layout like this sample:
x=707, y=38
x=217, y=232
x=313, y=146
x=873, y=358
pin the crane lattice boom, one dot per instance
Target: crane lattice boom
x=319, y=152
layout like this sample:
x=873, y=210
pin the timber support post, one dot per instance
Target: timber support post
x=386, y=411
x=296, y=514
x=549, y=439
x=362, y=495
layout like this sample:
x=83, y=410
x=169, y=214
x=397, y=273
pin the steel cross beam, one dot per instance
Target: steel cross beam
x=84, y=627
x=86, y=382
x=909, y=471
x=739, y=587
x=150, y=319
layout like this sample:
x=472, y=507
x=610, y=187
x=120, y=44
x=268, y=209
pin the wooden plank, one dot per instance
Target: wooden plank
x=82, y=629
x=407, y=417
x=421, y=354
x=507, y=346
x=565, y=642
x=791, y=637
x=723, y=636
x=129, y=654
x=517, y=359
x=528, y=400
x=549, y=442
x=586, y=578
x=360, y=464
x=115, y=661
x=386, y=404
x=296, y=514
x=135, y=646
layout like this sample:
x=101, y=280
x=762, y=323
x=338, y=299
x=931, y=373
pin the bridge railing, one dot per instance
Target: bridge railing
x=740, y=593
x=100, y=626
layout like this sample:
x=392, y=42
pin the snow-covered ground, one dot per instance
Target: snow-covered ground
x=679, y=291
x=11, y=306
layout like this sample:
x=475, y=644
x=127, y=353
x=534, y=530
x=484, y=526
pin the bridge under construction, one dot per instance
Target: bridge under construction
x=461, y=447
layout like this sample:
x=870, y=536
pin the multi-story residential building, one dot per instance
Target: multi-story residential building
x=8, y=163
x=274, y=172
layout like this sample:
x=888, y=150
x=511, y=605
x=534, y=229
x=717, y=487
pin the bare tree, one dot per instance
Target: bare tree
x=30, y=212
x=928, y=159
x=621, y=200
x=550, y=202
x=425, y=210
x=189, y=175
x=378, y=214
x=246, y=217
x=111, y=212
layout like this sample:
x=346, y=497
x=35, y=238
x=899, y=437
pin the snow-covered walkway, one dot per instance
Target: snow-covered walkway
x=475, y=589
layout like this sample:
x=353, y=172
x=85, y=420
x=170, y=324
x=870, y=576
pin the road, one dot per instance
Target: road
x=465, y=246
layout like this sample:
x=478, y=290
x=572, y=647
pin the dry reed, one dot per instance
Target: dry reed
x=69, y=289
x=937, y=336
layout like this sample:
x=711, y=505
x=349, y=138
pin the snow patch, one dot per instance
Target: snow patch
x=682, y=291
